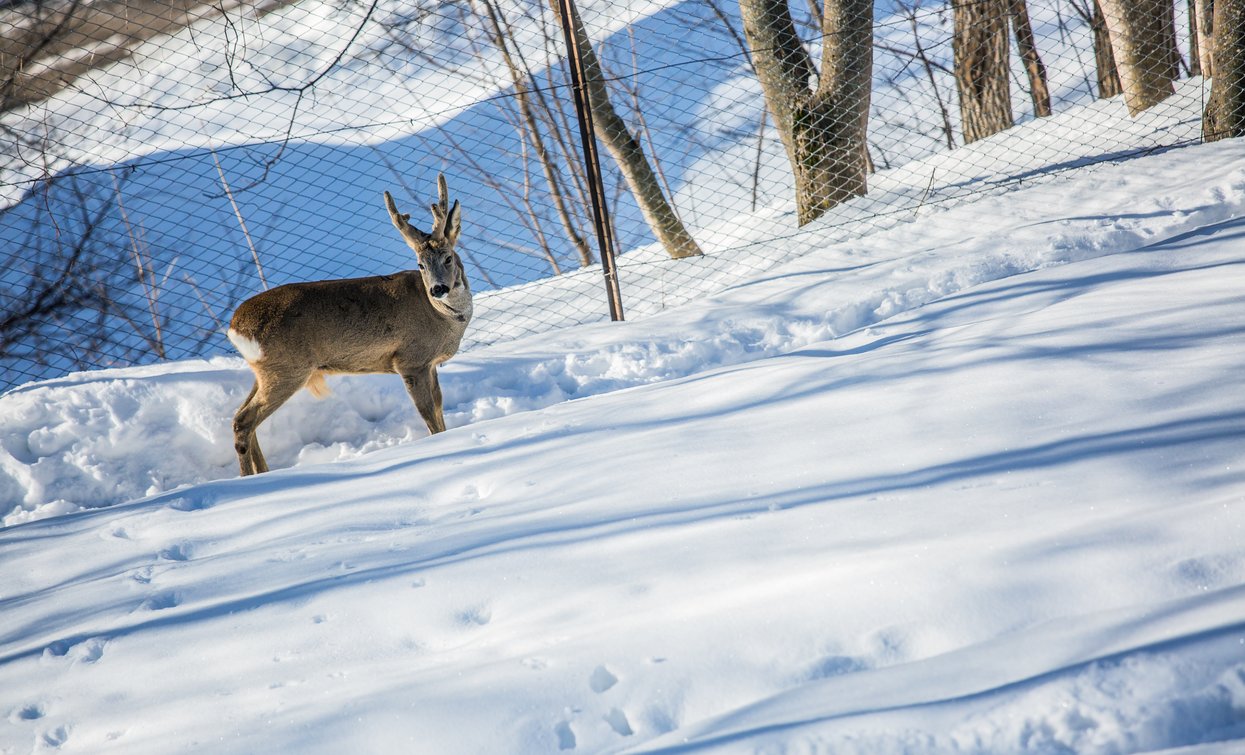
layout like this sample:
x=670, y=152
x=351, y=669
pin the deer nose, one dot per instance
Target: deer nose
x=439, y=290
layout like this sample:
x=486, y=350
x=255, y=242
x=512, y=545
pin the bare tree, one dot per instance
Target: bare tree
x=981, y=75
x=1195, y=46
x=919, y=53
x=1090, y=12
x=1203, y=30
x=520, y=75
x=1225, y=110
x=1143, y=39
x=822, y=118
x=57, y=283
x=549, y=183
x=629, y=155
x=1039, y=90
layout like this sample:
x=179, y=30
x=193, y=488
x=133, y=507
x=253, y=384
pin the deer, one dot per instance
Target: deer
x=408, y=322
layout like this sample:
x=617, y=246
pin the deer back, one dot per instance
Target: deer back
x=348, y=325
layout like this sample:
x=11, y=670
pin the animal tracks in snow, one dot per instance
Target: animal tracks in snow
x=600, y=682
x=618, y=722
x=565, y=736
x=161, y=601
x=179, y=551
x=54, y=738
x=28, y=712
x=159, y=557
x=35, y=713
x=476, y=616
x=90, y=650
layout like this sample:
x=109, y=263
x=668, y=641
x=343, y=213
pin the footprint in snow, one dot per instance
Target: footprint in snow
x=191, y=503
x=619, y=723
x=180, y=551
x=161, y=601
x=478, y=616
x=29, y=712
x=566, y=737
x=55, y=737
x=89, y=650
x=475, y=493
x=601, y=680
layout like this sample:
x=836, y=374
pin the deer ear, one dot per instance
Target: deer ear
x=453, y=224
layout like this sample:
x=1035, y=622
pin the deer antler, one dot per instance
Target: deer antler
x=441, y=208
x=415, y=238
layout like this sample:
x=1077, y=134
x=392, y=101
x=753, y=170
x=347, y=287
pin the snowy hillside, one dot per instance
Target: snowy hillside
x=969, y=484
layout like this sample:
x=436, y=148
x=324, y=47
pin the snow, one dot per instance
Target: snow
x=968, y=484
x=957, y=470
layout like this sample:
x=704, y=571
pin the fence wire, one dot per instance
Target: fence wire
x=165, y=159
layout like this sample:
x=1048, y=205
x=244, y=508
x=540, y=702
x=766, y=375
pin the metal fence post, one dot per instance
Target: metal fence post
x=592, y=165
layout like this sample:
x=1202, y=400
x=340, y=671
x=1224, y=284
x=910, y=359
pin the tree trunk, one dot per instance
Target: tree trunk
x=629, y=155
x=1039, y=91
x=1225, y=110
x=980, y=48
x=1204, y=11
x=1143, y=40
x=1174, y=60
x=1195, y=49
x=830, y=126
x=823, y=129
x=784, y=68
x=1104, y=60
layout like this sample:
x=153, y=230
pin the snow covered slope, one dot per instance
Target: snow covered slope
x=972, y=484
x=90, y=439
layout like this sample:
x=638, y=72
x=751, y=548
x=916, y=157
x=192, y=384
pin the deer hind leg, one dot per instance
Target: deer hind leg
x=425, y=389
x=269, y=393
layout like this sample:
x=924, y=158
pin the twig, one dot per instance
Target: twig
x=259, y=268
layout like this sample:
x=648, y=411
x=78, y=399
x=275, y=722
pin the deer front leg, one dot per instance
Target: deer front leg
x=421, y=383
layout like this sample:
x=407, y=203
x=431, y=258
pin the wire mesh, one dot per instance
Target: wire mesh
x=165, y=159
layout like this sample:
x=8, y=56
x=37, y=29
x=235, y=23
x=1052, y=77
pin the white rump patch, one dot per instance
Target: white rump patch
x=247, y=347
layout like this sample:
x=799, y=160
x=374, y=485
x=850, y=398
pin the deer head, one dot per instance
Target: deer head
x=439, y=265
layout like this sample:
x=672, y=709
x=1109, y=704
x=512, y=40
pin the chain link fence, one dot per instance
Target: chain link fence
x=165, y=159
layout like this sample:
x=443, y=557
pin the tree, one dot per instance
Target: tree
x=1225, y=110
x=1143, y=38
x=61, y=285
x=1104, y=60
x=1039, y=90
x=980, y=49
x=1203, y=24
x=822, y=119
x=1199, y=39
x=612, y=130
x=528, y=104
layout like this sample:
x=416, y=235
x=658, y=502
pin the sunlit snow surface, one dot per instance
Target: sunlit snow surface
x=969, y=484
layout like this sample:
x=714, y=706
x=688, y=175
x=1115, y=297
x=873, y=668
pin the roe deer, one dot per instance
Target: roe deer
x=407, y=323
